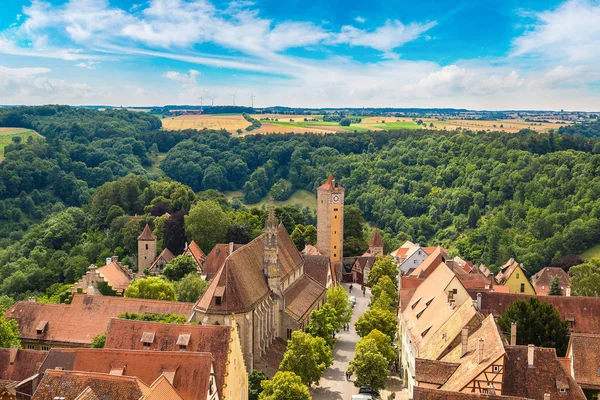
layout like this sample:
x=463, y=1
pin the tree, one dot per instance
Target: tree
x=354, y=222
x=99, y=341
x=310, y=235
x=384, y=345
x=337, y=298
x=384, y=285
x=302, y=358
x=297, y=237
x=369, y=365
x=239, y=233
x=323, y=323
x=555, y=289
x=174, y=232
x=179, y=267
x=9, y=333
x=382, y=320
x=585, y=278
x=383, y=266
x=345, y=122
x=538, y=323
x=207, y=224
x=255, y=379
x=354, y=247
x=284, y=386
x=190, y=288
x=383, y=302
x=151, y=288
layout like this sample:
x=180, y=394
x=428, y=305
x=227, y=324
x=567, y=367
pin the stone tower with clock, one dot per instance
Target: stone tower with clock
x=330, y=222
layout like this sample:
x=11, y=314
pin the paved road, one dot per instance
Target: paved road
x=333, y=384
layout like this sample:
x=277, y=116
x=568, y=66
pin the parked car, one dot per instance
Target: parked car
x=352, y=301
x=366, y=393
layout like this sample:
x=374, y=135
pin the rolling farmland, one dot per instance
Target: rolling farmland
x=230, y=123
x=7, y=134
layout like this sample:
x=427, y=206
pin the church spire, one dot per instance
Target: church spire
x=271, y=222
x=271, y=250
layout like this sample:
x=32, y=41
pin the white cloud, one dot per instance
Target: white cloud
x=570, y=32
x=87, y=64
x=186, y=79
x=33, y=83
x=384, y=38
x=360, y=20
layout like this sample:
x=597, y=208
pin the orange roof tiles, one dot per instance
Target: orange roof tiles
x=301, y=295
x=147, y=234
x=328, y=185
x=18, y=364
x=376, y=240
x=215, y=259
x=125, y=334
x=421, y=393
x=584, y=353
x=190, y=372
x=77, y=323
x=195, y=251
x=318, y=268
x=506, y=270
x=544, y=277
x=115, y=276
x=433, y=261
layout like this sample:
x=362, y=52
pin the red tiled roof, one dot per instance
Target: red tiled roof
x=376, y=240
x=433, y=260
x=274, y=353
x=546, y=376
x=421, y=393
x=544, y=278
x=18, y=364
x=506, y=270
x=165, y=255
x=582, y=312
x=432, y=371
x=328, y=185
x=195, y=251
x=216, y=258
x=147, y=235
x=77, y=323
x=115, y=276
x=241, y=276
x=310, y=250
x=70, y=385
x=126, y=334
x=318, y=268
x=301, y=297
x=363, y=262
x=189, y=372
x=584, y=353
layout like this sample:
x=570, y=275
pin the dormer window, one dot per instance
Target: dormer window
x=183, y=340
x=147, y=340
x=425, y=331
x=413, y=305
x=41, y=327
x=218, y=300
x=420, y=313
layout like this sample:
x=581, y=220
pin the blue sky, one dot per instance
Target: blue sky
x=527, y=54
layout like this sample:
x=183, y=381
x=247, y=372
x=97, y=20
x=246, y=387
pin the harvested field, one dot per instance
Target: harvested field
x=230, y=123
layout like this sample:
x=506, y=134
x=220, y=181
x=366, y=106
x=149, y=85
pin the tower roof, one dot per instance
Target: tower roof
x=330, y=184
x=147, y=234
x=376, y=240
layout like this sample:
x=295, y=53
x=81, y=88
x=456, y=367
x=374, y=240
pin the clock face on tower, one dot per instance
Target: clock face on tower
x=335, y=198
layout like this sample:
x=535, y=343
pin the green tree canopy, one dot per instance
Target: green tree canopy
x=285, y=385
x=323, y=322
x=383, y=266
x=179, y=267
x=151, y=288
x=310, y=235
x=337, y=297
x=555, y=289
x=190, y=288
x=306, y=357
x=384, y=344
x=9, y=333
x=207, y=224
x=384, y=285
x=297, y=237
x=585, y=278
x=538, y=323
x=255, y=379
x=369, y=365
x=99, y=341
x=382, y=320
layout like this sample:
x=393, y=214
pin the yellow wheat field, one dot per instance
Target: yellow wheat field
x=230, y=123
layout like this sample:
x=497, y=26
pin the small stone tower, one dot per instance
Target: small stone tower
x=271, y=253
x=330, y=222
x=146, y=249
x=376, y=244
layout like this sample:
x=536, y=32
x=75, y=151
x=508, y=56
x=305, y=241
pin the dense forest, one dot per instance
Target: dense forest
x=68, y=200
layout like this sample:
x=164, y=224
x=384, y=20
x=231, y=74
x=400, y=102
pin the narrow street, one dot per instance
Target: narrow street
x=333, y=384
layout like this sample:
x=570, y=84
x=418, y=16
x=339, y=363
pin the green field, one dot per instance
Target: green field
x=302, y=197
x=155, y=167
x=7, y=135
x=592, y=252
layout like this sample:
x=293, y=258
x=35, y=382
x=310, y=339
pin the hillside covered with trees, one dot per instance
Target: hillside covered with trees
x=66, y=201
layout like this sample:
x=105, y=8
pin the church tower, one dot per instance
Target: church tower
x=376, y=244
x=146, y=249
x=330, y=221
x=271, y=268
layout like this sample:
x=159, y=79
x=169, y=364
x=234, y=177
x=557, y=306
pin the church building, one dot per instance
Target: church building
x=264, y=286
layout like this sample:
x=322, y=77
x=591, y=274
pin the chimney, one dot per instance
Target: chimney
x=568, y=291
x=13, y=354
x=491, y=389
x=185, y=247
x=479, y=301
x=230, y=247
x=530, y=352
x=31, y=299
x=513, y=334
x=108, y=260
x=464, y=341
x=115, y=259
x=546, y=396
x=480, y=343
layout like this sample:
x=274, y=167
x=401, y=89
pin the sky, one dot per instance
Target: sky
x=482, y=55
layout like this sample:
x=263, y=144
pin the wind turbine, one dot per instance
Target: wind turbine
x=233, y=95
x=212, y=99
x=201, y=102
x=252, y=96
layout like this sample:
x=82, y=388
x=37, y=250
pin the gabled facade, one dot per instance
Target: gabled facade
x=513, y=275
x=196, y=252
x=159, y=263
x=117, y=276
x=542, y=280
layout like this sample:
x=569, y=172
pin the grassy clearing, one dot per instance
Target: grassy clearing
x=155, y=167
x=7, y=135
x=592, y=252
x=302, y=197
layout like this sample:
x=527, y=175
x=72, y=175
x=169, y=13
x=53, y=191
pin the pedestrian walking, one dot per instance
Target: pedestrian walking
x=348, y=375
x=350, y=288
x=364, y=291
x=392, y=396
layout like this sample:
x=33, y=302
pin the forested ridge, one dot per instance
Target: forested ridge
x=65, y=201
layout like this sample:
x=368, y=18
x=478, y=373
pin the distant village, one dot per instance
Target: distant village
x=449, y=344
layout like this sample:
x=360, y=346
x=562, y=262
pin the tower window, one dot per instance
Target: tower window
x=218, y=300
x=335, y=247
x=335, y=217
x=146, y=246
x=334, y=255
x=335, y=209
